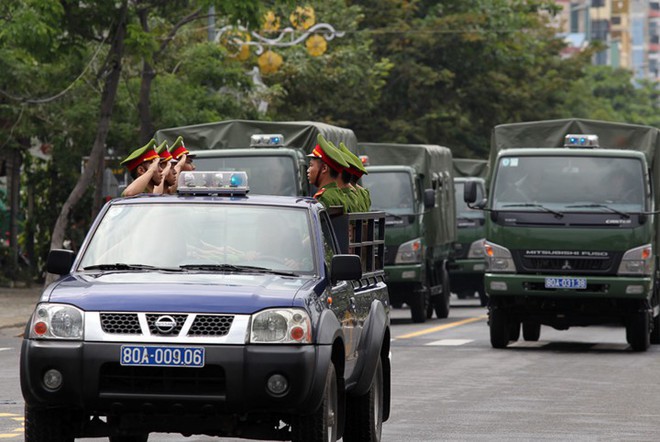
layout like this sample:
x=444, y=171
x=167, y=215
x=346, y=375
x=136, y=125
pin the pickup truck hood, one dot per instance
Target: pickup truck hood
x=178, y=292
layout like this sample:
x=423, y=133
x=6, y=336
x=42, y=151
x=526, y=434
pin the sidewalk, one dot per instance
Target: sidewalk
x=16, y=305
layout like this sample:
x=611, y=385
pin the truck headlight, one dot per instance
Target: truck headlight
x=409, y=252
x=498, y=258
x=57, y=321
x=637, y=261
x=476, y=249
x=281, y=326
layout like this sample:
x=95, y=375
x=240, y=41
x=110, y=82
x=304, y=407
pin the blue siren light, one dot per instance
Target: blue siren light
x=585, y=140
x=213, y=183
x=267, y=140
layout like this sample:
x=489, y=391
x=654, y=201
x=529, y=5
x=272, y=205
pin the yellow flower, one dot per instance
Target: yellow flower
x=303, y=18
x=271, y=22
x=235, y=41
x=269, y=62
x=316, y=45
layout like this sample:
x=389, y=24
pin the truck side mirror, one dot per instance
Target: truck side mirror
x=470, y=192
x=345, y=268
x=60, y=261
x=429, y=198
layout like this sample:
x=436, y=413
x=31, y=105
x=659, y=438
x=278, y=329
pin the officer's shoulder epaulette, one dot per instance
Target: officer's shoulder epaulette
x=320, y=192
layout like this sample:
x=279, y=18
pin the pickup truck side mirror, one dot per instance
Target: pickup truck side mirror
x=60, y=261
x=470, y=192
x=345, y=268
x=429, y=198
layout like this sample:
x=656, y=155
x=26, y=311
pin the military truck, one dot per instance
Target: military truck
x=466, y=271
x=260, y=317
x=571, y=232
x=413, y=184
x=271, y=152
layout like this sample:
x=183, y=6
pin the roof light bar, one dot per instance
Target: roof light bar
x=213, y=183
x=577, y=140
x=267, y=140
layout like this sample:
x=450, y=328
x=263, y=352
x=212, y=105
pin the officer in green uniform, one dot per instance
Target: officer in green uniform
x=144, y=166
x=325, y=164
x=170, y=174
x=355, y=171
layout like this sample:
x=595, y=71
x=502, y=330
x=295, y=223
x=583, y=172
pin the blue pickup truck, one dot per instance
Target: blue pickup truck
x=213, y=312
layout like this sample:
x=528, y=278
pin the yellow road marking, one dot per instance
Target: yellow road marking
x=10, y=435
x=441, y=327
x=8, y=414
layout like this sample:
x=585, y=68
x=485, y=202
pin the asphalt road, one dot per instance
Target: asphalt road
x=584, y=384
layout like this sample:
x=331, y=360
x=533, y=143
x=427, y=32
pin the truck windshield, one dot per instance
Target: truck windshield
x=462, y=209
x=561, y=182
x=391, y=192
x=183, y=236
x=267, y=175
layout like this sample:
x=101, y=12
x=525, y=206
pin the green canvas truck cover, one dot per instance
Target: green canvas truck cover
x=235, y=134
x=611, y=135
x=464, y=167
x=432, y=162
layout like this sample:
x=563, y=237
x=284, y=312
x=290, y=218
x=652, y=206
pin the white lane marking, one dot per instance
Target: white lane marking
x=610, y=347
x=528, y=344
x=5, y=348
x=451, y=342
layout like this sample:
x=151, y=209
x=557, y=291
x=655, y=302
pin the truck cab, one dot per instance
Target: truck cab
x=213, y=312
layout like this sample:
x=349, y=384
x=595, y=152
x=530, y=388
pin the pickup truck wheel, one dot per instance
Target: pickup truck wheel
x=418, y=305
x=47, y=425
x=323, y=424
x=637, y=331
x=364, y=414
x=531, y=331
x=499, y=328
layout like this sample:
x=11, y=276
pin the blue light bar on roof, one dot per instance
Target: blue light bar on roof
x=213, y=183
x=267, y=140
x=586, y=140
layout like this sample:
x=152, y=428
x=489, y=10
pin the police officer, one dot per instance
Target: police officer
x=182, y=155
x=144, y=167
x=355, y=172
x=325, y=164
x=170, y=174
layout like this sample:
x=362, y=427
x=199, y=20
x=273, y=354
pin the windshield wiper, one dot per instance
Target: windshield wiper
x=601, y=206
x=540, y=206
x=235, y=268
x=123, y=266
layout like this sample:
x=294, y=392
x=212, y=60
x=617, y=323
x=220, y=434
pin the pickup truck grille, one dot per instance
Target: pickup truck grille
x=202, y=325
x=567, y=265
x=118, y=379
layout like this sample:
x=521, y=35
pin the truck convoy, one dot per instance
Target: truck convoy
x=272, y=153
x=260, y=317
x=571, y=229
x=466, y=271
x=413, y=185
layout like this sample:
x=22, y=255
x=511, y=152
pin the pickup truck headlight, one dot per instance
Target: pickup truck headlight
x=409, y=252
x=498, y=258
x=637, y=261
x=281, y=326
x=57, y=321
x=476, y=249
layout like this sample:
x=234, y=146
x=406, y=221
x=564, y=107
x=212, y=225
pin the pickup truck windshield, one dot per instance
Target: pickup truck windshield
x=462, y=209
x=202, y=237
x=268, y=175
x=557, y=183
x=391, y=192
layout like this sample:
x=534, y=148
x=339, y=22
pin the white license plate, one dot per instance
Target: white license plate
x=565, y=283
x=160, y=356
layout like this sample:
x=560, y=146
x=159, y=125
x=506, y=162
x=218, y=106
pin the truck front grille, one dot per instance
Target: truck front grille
x=121, y=323
x=567, y=265
x=211, y=325
x=179, y=319
x=209, y=380
x=202, y=325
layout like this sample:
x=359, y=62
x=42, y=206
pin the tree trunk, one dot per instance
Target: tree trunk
x=148, y=74
x=108, y=96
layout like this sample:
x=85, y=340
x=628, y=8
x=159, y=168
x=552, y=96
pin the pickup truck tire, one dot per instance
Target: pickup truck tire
x=323, y=424
x=47, y=425
x=364, y=414
x=499, y=328
x=637, y=331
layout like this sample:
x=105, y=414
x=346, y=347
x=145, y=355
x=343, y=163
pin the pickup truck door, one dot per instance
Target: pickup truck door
x=343, y=299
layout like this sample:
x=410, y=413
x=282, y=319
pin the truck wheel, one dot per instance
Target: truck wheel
x=47, y=425
x=655, y=333
x=499, y=328
x=442, y=303
x=483, y=298
x=364, y=414
x=637, y=331
x=531, y=331
x=514, y=331
x=322, y=425
x=418, y=305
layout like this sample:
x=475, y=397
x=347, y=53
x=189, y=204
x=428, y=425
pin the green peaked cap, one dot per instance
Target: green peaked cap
x=140, y=152
x=352, y=159
x=162, y=148
x=332, y=151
